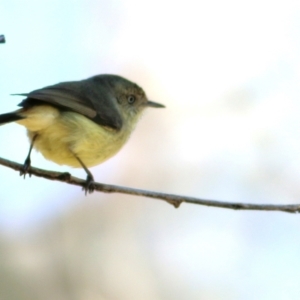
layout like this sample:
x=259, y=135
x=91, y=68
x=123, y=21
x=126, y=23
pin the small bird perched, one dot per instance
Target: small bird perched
x=80, y=123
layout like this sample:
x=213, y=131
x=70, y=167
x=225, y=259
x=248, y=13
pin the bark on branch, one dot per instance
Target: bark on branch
x=175, y=200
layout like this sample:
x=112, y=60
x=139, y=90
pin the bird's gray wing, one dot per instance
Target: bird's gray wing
x=97, y=104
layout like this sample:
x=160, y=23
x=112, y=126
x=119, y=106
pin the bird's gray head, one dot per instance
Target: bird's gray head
x=130, y=97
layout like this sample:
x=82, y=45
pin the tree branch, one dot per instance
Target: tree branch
x=175, y=200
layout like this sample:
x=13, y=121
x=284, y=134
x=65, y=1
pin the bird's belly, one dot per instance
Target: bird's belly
x=75, y=135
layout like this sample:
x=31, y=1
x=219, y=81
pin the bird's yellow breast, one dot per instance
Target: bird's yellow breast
x=63, y=134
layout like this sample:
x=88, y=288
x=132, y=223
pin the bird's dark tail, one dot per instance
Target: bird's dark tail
x=10, y=117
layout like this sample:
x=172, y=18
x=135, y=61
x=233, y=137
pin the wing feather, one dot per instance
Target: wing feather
x=95, y=100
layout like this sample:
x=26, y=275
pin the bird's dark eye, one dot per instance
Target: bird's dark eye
x=131, y=99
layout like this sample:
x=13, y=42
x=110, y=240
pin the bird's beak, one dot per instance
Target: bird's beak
x=154, y=104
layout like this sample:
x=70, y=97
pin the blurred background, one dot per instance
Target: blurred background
x=228, y=73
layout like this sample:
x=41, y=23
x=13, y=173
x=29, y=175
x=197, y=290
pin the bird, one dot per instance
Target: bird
x=80, y=123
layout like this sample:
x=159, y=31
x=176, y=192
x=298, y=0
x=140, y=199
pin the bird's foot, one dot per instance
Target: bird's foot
x=25, y=169
x=89, y=185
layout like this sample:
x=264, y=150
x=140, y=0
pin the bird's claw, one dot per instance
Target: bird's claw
x=25, y=169
x=89, y=185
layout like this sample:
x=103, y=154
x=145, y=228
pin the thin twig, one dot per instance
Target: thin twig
x=2, y=39
x=175, y=200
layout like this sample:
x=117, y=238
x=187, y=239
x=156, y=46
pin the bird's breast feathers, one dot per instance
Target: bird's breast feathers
x=61, y=134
